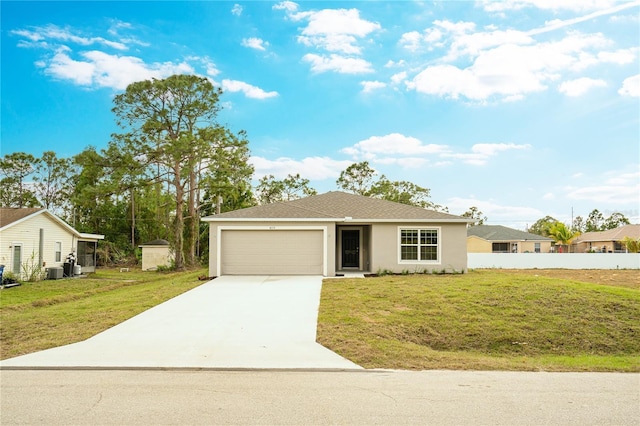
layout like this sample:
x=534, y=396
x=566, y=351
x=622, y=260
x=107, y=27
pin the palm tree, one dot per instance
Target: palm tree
x=561, y=234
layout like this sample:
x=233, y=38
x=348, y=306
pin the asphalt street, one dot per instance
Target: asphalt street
x=271, y=397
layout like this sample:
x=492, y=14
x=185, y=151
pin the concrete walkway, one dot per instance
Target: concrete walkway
x=230, y=322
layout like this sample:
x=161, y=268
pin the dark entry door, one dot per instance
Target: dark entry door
x=350, y=248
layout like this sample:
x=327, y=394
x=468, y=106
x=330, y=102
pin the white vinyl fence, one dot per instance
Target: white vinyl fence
x=553, y=260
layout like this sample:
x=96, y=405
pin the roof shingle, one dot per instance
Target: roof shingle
x=502, y=233
x=337, y=205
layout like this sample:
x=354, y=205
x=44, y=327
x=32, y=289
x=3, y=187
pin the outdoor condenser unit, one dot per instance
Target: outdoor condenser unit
x=55, y=273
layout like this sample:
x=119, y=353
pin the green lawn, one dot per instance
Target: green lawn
x=45, y=314
x=481, y=320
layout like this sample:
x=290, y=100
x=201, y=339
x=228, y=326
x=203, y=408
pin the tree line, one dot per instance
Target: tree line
x=170, y=164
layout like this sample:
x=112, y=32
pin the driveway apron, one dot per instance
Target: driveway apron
x=230, y=322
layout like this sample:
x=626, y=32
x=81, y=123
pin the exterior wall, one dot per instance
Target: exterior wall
x=330, y=243
x=478, y=245
x=530, y=246
x=154, y=256
x=586, y=246
x=385, y=246
x=27, y=233
x=555, y=260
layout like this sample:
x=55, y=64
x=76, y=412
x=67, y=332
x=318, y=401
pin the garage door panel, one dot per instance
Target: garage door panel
x=272, y=252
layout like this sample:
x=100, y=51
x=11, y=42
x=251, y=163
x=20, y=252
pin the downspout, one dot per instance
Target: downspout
x=41, y=248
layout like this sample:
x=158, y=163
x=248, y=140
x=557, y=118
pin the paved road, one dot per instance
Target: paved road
x=230, y=322
x=67, y=397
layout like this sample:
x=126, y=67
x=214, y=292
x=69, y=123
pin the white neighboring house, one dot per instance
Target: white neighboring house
x=32, y=236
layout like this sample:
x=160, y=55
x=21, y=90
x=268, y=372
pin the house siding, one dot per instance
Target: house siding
x=27, y=233
x=385, y=246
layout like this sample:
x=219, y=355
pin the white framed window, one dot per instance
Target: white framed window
x=537, y=248
x=419, y=245
x=58, y=251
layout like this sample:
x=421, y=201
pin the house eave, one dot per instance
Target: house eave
x=336, y=220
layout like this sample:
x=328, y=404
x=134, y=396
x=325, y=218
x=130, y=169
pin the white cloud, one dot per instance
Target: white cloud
x=553, y=5
x=613, y=187
x=509, y=71
x=631, y=86
x=65, y=35
x=370, y=86
x=580, y=86
x=336, y=31
x=104, y=70
x=482, y=152
x=392, y=64
x=337, y=63
x=316, y=168
x=255, y=43
x=493, y=211
x=289, y=6
x=236, y=10
x=399, y=77
x=392, y=145
x=396, y=148
x=248, y=90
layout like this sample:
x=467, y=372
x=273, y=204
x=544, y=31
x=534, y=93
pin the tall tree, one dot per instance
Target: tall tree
x=614, y=221
x=475, y=214
x=358, y=178
x=53, y=183
x=14, y=190
x=170, y=126
x=542, y=226
x=272, y=190
x=594, y=222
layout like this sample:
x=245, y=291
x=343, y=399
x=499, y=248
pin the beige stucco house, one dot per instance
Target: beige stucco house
x=500, y=239
x=35, y=236
x=335, y=233
x=156, y=253
x=609, y=241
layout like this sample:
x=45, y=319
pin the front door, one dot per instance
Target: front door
x=351, y=248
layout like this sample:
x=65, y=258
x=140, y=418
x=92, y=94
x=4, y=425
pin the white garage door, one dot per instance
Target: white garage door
x=271, y=252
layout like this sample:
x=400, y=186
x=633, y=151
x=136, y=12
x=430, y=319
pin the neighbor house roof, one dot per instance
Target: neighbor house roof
x=12, y=216
x=337, y=206
x=502, y=233
x=616, y=234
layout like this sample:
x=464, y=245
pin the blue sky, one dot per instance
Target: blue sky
x=523, y=108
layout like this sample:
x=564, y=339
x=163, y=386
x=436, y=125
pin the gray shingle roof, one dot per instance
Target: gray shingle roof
x=337, y=205
x=502, y=233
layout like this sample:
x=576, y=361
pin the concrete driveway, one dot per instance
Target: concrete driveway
x=230, y=322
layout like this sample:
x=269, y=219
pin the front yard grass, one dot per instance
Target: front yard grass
x=482, y=320
x=46, y=314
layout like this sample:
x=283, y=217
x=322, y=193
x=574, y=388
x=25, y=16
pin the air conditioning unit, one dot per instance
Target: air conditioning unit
x=55, y=273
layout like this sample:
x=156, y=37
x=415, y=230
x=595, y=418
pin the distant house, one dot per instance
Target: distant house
x=605, y=241
x=500, y=239
x=38, y=237
x=155, y=253
x=332, y=234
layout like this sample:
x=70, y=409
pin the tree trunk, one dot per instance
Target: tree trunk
x=179, y=225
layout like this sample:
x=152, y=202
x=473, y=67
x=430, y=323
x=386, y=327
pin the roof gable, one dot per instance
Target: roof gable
x=502, y=233
x=12, y=216
x=337, y=205
x=9, y=216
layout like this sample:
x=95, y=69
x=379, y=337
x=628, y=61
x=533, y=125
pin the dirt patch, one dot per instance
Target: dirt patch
x=615, y=277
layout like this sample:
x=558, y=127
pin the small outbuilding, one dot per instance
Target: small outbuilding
x=156, y=253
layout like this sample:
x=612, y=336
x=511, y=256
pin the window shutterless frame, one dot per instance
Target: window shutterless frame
x=419, y=245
